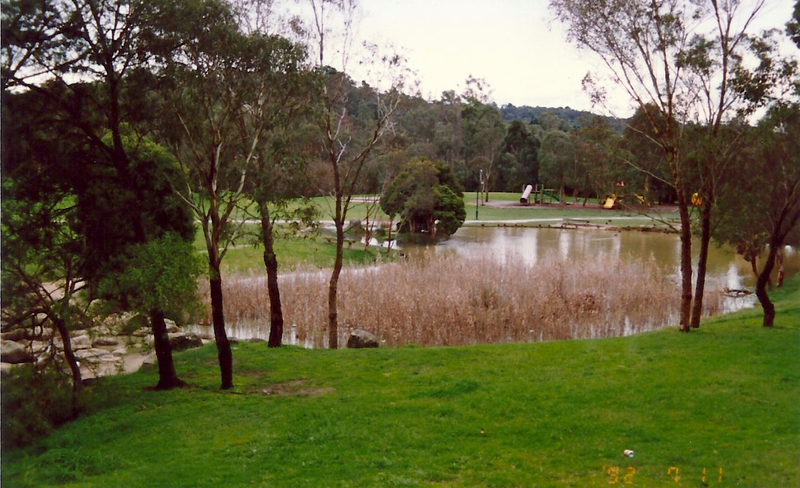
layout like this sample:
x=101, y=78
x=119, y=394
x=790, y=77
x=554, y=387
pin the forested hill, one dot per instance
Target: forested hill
x=573, y=117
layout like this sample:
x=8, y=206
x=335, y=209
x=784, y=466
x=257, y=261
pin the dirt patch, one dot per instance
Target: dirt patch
x=291, y=388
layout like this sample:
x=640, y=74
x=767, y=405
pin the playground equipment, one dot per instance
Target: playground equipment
x=526, y=194
x=537, y=194
x=610, y=202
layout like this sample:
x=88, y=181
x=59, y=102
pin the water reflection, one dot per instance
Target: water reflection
x=530, y=244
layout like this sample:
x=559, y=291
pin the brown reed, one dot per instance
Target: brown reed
x=448, y=300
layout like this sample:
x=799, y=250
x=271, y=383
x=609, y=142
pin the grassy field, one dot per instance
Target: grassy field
x=724, y=399
x=358, y=211
x=292, y=251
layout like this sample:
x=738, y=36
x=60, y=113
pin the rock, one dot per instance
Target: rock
x=105, y=341
x=91, y=354
x=39, y=347
x=172, y=327
x=137, y=325
x=82, y=341
x=360, y=338
x=182, y=341
x=121, y=351
x=15, y=335
x=149, y=359
x=15, y=353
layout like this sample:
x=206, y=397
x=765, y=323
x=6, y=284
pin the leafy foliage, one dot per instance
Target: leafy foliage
x=160, y=274
x=427, y=197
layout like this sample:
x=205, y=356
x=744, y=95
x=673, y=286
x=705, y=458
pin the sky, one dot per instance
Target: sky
x=515, y=45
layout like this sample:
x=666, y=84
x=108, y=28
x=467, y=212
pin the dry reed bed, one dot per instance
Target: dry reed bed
x=435, y=301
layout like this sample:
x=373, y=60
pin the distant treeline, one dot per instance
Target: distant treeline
x=575, y=118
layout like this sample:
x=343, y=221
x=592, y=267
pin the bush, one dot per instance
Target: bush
x=34, y=403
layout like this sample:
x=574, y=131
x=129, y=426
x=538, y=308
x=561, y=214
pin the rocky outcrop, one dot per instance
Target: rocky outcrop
x=360, y=338
x=182, y=341
x=16, y=353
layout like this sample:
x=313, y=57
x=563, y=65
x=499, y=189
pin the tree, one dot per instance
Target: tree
x=159, y=279
x=285, y=99
x=79, y=57
x=215, y=108
x=764, y=212
x=41, y=246
x=427, y=197
x=556, y=157
x=651, y=171
x=347, y=140
x=675, y=72
x=484, y=132
x=597, y=149
x=524, y=148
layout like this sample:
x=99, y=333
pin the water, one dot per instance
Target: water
x=528, y=245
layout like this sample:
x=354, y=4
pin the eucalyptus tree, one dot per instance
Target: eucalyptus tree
x=220, y=88
x=764, y=211
x=674, y=59
x=283, y=151
x=483, y=131
x=347, y=140
x=556, y=157
x=524, y=148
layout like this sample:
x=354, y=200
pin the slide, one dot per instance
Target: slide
x=551, y=195
x=609, y=203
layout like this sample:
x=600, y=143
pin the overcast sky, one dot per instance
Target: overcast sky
x=514, y=45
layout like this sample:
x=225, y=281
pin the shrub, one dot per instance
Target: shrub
x=34, y=403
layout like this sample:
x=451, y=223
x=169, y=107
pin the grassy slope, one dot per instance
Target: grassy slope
x=551, y=414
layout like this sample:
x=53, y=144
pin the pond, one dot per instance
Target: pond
x=594, y=251
x=529, y=245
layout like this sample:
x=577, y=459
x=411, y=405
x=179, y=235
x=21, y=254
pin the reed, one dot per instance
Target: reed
x=448, y=300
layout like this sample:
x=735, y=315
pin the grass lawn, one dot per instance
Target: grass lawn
x=358, y=211
x=538, y=215
x=314, y=250
x=723, y=399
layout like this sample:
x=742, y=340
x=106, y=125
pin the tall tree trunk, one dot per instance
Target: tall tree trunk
x=271, y=264
x=761, y=287
x=686, y=262
x=220, y=336
x=333, y=320
x=72, y=361
x=167, y=378
x=702, y=263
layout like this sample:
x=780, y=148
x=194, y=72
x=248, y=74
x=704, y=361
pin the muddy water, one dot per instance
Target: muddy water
x=528, y=245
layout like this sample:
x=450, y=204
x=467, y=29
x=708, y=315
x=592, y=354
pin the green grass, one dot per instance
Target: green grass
x=292, y=251
x=534, y=415
x=617, y=218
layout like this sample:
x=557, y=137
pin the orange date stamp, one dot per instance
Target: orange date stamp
x=625, y=476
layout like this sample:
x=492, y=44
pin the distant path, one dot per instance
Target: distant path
x=551, y=219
